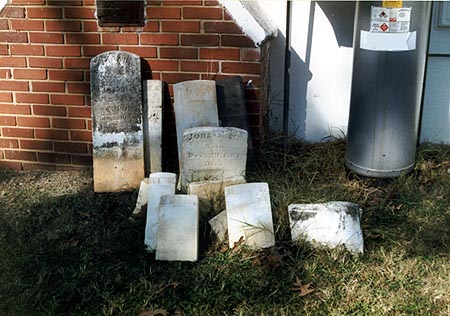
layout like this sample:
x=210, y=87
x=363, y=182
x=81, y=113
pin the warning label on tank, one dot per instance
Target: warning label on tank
x=390, y=20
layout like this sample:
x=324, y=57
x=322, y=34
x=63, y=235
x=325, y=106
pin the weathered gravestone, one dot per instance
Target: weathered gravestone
x=118, y=140
x=210, y=192
x=160, y=183
x=329, y=224
x=178, y=228
x=249, y=215
x=232, y=108
x=219, y=225
x=153, y=101
x=195, y=104
x=212, y=153
x=142, y=199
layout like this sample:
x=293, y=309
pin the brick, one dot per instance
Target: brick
x=65, y=75
x=12, y=12
x=4, y=25
x=6, y=97
x=163, y=13
x=128, y=39
x=182, y=2
x=9, y=143
x=145, y=52
x=13, y=37
x=53, y=158
x=63, y=25
x=199, y=66
x=20, y=155
x=222, y=28
x=200, y=40
x=18, y=132
x=63, y=51
x=35, y=144
x=79, y=13
x=82, y=160
x=82, y=111
x=82, y=38
x=70, y=147
x=25, y=121
x=45, y=86
x=163, y=65
x=58, y=134
x=180, y=26
x=250, y=54
x=95, y=50
x=67, y=2
x=236, y=41
x=10, y=85
x=77, y=63
x=78, y=87
x=7, y=120
x=30, y=74
x=42, y=62
x=67, y=99
x=14, y=109
x=81, y=135
x=5, y=73
x=159, y=39
x=220, y=53
x=32, y=98
x=178, y=53
x=252, y=94
x=29, y=166
x=172, y=78
x=202, y=13
x=13, y=62
x=40, y=37
x=27, y=25
x=4, y=49
x=44, y=13
x=28, y=50
x=212, y=3
x=150, y=26
x=49, y=110
x=10, y=165
x=68, y=123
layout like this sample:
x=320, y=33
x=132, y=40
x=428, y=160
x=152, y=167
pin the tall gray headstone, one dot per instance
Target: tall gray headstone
x=178, y=228
x=232, y=108
x=118, y=141
x=153, y=102
x=195, y=104
x=213, y=153
x=249, y=215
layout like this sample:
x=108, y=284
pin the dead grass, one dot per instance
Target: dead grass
x=67, y=251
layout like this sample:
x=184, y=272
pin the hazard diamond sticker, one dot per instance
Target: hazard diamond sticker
x=384, y=27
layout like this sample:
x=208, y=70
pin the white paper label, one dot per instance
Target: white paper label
x=390, y=20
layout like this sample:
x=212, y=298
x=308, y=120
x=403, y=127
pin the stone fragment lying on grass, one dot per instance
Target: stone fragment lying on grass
x=219, y=225
x=141, y=203
x=329, y=224
x=178, y=228
x=249, y=215
x=160, y=183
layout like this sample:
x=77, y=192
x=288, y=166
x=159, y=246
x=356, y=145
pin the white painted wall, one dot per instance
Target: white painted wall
x=321, y=69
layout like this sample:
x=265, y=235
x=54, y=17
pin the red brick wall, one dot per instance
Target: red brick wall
x=45, y=50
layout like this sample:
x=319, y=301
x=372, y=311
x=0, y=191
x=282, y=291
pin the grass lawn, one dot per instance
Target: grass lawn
x=65, y=250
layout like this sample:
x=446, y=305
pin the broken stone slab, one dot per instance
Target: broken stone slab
x=142, y=199
x=160, y=183
x=213, y=153
x=249, y=215
x=211, y=192
x=219, y=225
x=232, y=107
x=329, y=224
x=153, y=103
x=178, y=228
x=117, y=132
x=195, y=104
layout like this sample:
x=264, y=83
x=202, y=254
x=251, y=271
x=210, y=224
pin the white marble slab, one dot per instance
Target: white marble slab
x=213, y=153
x=178, y=228
x=219, y=225
x=329, y=224
x=160, y=183
x=153, y=111
x=249, y=215
x=142, y=199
